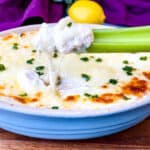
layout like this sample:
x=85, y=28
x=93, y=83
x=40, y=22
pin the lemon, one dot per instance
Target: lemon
x=86, y=11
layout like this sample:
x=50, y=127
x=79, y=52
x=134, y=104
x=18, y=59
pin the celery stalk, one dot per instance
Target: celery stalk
x=133, y=39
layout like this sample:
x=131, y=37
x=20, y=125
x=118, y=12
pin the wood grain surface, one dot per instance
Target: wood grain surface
x=136, y=138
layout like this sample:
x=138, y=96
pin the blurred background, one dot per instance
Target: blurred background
x=15, y=13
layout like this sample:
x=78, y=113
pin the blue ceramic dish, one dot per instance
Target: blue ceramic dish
x=69, y=125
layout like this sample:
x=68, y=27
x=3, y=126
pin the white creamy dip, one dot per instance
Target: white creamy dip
x=43, y=41
x=65, y=37
x=29, y=81
x=70, y=36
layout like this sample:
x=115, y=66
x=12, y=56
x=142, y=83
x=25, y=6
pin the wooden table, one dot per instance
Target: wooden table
x=137, y=138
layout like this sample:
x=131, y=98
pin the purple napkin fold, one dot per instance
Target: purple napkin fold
x=127, y=12
x=14, y=13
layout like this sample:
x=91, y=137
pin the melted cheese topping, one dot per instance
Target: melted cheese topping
x=88, y=81
x=66, y=36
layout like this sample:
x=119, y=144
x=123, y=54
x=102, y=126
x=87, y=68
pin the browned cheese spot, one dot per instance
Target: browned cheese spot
x=73, y=98
x=7, y=37
x=136, y=87
x=147, y=75
x=104, y=86
x=108, y=98
x=23, y=100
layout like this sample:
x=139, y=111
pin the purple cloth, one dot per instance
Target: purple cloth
x=14, y=13
x=127, y=12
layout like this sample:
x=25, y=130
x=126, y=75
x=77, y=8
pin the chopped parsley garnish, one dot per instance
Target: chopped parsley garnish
x=126, y=98
x=23, y=94
x=125, y=62
x=94, y=96
x=98, y=60
x=113, y=81
x=69, y=24
x=143, y=58
x=129, y=73
x=33, y=51
x=87, y=94
x=54, y=107
x=86, y=77
x=40, y=73
x=2, y=67
x=128, y=70
x=55, y=54
x=15, y=46
x=84, y=59
x=90, y=95
x=39, y=68
x=30, y=61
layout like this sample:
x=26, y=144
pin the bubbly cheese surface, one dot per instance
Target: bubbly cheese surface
x=87, y=81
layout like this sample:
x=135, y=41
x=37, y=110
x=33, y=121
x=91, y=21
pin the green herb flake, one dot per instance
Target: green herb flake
x=94, y=96
x=126, y=98
x=84, y=59
x=2, y=67
x=39, y=68
x=54, y=107
x=113, y=81
x=23, y=94
x=39, y=73
x=30, y=61
x=98, y=60
x=129, y=73
x=86, y=77
x=125, y=62
x=69, y=24
x=15, y=46
x=128, y=70
x=143, y=58
x=91, y=96
x=87, y=95
x=33, y=51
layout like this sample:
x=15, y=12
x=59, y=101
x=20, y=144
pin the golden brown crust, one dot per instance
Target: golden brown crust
x=73, y=98
x=136, y=87
x=107, y=98
x=23, y=100
x=104, y=86
x=147, y=75
x=7, y=37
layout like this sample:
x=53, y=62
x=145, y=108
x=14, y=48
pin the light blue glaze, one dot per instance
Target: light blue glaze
x=49, y=127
